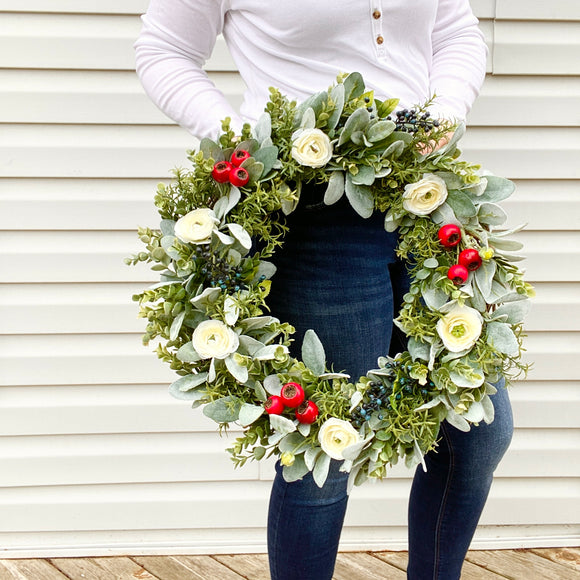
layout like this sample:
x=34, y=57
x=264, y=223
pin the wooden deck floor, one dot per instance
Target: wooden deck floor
x=534, y=564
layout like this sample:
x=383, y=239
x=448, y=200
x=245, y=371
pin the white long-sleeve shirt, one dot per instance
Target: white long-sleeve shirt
x=408, y=49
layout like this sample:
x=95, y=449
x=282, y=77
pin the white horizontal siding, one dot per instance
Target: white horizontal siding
x=133, y=408
x=96, y=457
x=143, y=151
x=62, y=359
x=97, y=256
x=71, y=308
x=536, y=48
x=119, y=204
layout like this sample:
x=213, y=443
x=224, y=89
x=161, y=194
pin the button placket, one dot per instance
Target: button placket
x=376, y=14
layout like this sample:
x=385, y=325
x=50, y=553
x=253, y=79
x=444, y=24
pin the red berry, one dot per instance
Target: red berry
x=458, y=274
x=239, y=156
x=449, y=235
x=221, y=171
x=239, y=176
x=307, y=412
x=274, y=405
x=470, y=258
x=292, y=395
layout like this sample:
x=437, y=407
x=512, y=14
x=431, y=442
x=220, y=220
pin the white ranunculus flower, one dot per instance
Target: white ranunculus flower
x=214, y=339
x=460, y=328
x=425, y=196
x=311, y=147
x=335, y=436
x=196, y=226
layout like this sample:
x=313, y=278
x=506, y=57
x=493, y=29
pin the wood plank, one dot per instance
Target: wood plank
x=250, y=566
x=521, y=564
x=29, y=570
x=363, y=566
x=186, y=567
x=104, y=568
x=469, y=571
x=567, y=556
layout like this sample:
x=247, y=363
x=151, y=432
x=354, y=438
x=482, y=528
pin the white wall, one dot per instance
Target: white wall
x=95, y=457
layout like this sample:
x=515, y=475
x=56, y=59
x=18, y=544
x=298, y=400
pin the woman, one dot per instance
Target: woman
x=337, y=273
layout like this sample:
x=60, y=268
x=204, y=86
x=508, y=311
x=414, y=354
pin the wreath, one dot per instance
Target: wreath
x=223, y=218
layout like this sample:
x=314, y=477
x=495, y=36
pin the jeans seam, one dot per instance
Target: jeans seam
x=274, y=573
x=443, y=504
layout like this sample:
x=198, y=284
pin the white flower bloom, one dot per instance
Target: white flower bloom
x=425, y=196
x=196, y=226
x=214, y=339
x=311, y=147
x=335, y=436
x=460, y=328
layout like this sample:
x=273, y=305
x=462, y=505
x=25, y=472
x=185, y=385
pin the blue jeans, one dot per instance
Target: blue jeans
x=338, y=274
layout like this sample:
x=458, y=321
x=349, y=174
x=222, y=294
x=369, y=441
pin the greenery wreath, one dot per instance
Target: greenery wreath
x=462, y=315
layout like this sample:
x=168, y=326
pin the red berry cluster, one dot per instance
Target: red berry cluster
x=292, y=396
x=469, y=259
x=230, y=171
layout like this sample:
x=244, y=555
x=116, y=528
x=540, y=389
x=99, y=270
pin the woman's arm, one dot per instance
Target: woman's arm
x=177, y=38
x=459, y=56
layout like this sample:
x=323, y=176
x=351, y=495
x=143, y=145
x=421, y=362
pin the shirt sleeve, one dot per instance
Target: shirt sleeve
x=459, y=57
x=176, y=39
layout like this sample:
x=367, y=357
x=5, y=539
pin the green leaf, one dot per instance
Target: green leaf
x=502, y=338
x=379, y=131
x=254, y=168
x=394, y=149
x=249, y=414
x=484, y=277
x=311, y=455
x=187, y=353
x=491, y=214
x=206, y=298
x=514, y=312
x=167, y=245
x=241, y=235
x=418, y=349
x=365, y=175
x=269, y=352
x=308, y=119
x=267, y=156
x=320, y=471
x=360, y=197
x=224, y=410
x=460, y=203
x=239, y=372
x=354, y=86
x=187, y=383
x=281, y=424
x=313, y=354
x=263, y=128
x=386, y=107
x=212, y=150
x=337, y=94
x=452, y=181
x=266, y=269
x=226, y=203
x=356, y=122
x=335, y=189
x=296, y=471
x=250, y=345
x=498, y=189
x=176, y=325
x=273, y=385
x=167, y=227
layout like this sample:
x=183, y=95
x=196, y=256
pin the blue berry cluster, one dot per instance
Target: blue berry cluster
x=218, y=272
x=412, y=120
x=383, y=396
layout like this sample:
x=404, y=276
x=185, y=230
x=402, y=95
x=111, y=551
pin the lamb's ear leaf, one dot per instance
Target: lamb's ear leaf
x=313, y=354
